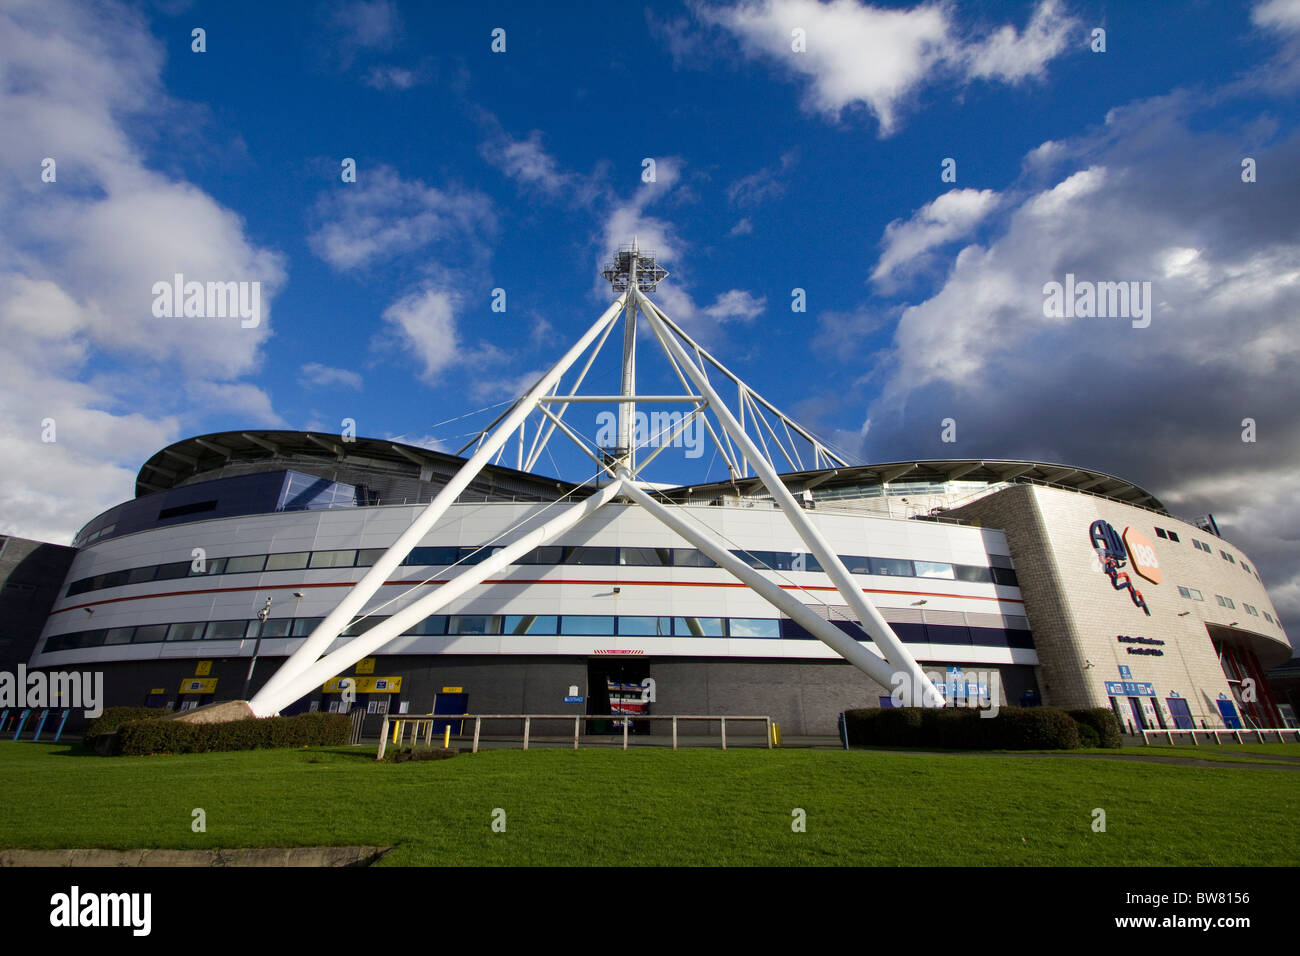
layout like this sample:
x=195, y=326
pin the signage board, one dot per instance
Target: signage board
x=1142, y=554
x=1128, y=688
x=199, y=685
x=203, y=668
x=366, y=665
x=365, y=685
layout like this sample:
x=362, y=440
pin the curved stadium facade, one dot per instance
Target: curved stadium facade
x=976, y=565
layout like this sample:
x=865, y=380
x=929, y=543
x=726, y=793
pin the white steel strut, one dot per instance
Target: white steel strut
x=633, y=274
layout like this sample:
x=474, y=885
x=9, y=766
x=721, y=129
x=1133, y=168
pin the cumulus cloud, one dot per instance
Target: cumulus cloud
x=383, y=216
x=316, y=375
x=528, y=163
x=83, y=347
x=1161, y=405
x=951, y=216
x=764, y=185
x=736, y=304
x=877, y=57
x=425, y=322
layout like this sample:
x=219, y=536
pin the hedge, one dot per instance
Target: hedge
x=114, y=717
x=175, y=737
x=1103, y=722
x=963, y=728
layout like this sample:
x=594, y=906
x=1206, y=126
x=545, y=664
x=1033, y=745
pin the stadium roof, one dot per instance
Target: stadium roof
x=179, y=462
x=990, y=470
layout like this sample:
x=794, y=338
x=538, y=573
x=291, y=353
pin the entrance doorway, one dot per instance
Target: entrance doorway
x=450, y=704
x=613, y=689
x=1181, y=713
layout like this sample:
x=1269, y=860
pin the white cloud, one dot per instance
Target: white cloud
x=382, y=216
x=1280, y=15
x=743, y=228
x=316, y=375
x=951, y=216
x=528, y=163
x=1160, y=405
x=81, y=255
x=362, y=25
x=425, y=323
x=390, y=77
x=766, y=184
x=878, y=57
x=736, y=304
x=242, y=398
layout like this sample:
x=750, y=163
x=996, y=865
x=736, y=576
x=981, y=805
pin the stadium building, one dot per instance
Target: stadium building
x=449, y=584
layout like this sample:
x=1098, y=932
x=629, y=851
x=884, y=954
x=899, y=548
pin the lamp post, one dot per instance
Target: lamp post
x=261, y=625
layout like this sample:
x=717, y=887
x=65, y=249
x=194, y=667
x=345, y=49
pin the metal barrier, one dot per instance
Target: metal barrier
x=1259, y=731
x=425, y=722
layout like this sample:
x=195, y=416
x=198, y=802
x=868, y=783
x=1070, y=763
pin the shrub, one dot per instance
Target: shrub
x=1034, y=728
x=1102, y=721
x=964, y=728
x=175, y=737
x=114, y=717
x=1088, y=736
x=418, y=753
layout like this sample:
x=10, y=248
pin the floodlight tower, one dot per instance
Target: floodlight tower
x=631, y=269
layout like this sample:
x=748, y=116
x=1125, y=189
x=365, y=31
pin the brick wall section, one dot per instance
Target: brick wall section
x=1076, y=615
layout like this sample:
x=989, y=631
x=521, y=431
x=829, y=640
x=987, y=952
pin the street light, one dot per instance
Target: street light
x=261, y=625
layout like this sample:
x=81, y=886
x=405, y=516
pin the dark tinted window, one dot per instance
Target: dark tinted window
x=973, y=575
x=893, y=567
x=434, y=557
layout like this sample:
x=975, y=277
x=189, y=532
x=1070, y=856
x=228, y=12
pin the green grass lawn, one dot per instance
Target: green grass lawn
x=690, y=807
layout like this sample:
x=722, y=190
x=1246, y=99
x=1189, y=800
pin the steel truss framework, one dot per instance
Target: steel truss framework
x=741, y=436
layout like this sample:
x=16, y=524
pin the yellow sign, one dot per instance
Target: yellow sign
x=199, y=685
x=203, y=668
x=453, y=690
x=366, y=665
x=158, y=690
x=365, y=685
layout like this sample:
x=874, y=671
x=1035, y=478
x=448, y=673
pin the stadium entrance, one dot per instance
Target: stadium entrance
x=616, y=688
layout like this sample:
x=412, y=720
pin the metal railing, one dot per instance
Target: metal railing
x=1259, y=731
x=423, y=724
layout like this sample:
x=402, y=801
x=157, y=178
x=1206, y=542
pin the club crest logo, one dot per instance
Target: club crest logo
x=1113, y=555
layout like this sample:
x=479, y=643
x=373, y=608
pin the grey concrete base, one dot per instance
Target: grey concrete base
x=244, y=856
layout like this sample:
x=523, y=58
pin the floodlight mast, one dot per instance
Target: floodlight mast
x=631, y=269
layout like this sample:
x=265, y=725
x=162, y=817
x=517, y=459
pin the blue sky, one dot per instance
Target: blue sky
x=776, y=169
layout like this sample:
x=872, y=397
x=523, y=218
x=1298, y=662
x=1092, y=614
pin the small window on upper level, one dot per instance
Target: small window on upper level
x=1173, y=536
x=1160, y=533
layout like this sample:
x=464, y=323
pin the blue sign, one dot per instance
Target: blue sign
x=1124, y=672
x=574, y=700
x=1130, y=688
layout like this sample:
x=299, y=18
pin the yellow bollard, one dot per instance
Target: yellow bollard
x=396, y=725
x=446, y=737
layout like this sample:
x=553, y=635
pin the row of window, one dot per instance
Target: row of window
x=549, y=555
x=1194, y=595
x=564, y=625
x=1169, y=535
x=1204, y=546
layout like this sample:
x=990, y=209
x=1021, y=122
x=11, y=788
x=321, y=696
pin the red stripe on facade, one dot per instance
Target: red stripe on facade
x=593, y=581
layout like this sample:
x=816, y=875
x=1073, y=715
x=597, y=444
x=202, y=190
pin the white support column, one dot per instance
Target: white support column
x=337, y=619
x=870, y=618
x=366, y=644
x=860, y=657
